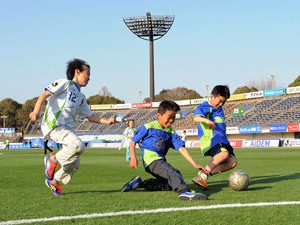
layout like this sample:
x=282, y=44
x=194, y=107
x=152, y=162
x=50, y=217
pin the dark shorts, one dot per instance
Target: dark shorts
x=167, y=177
x=221, y=148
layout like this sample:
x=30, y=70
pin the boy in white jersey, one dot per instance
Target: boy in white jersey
x=183, y=137
x=65, y=105
x=128, y=134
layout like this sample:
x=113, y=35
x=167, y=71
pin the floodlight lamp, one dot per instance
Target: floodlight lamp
x=149, y=27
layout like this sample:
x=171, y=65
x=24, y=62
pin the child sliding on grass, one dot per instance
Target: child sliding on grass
x=210, y=120
x=157, y=137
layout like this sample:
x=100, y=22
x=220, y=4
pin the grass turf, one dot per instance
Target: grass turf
x=95, y=188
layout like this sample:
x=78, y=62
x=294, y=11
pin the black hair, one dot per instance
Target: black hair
x=130, y=120
x=75, y=64
x=167, y=105
x=221, y=90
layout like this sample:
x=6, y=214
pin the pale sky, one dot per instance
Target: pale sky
x=211, y=42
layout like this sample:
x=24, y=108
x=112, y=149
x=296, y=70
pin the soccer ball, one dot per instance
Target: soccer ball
x=239, y=180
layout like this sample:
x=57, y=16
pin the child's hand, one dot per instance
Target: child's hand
x=211, y=124
x=34, y=116
x=111, y=120
x=199, y=167
x=133, y=163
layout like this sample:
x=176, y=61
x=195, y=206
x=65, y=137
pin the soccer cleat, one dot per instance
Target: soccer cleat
x=132, y=184
x=198, y=180
x=192, y=196
x=56, y=188
x=49, y=167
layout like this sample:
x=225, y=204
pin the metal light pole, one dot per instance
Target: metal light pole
x=272, y=76
x=150, y=28
x=3, y=117
x=140, y=92
x=206, y=86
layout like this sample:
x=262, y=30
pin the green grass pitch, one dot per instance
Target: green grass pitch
x=95, y=188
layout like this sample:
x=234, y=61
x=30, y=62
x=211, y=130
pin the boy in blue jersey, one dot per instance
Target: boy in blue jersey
x=211, y=124
x=157, y=137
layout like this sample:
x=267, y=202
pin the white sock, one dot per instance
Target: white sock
x=204, y=176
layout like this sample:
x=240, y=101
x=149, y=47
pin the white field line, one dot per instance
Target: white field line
x=94, y=215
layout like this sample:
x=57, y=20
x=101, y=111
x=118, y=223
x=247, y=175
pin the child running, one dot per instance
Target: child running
x=128, y=134
x=210, y=120
x=65, y=105
x=157, y=137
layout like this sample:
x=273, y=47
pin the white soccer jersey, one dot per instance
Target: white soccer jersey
x=65, y=106
x=183, y=137
x=129, y=132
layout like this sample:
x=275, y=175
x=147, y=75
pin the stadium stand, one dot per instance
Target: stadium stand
x=276, y=110
x=234, y=120
x=264, y=104
x=288, y=117
x=33, y=129
x=260, y=118
x=259, y=111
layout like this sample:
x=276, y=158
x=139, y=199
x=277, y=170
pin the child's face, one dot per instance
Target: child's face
x=167, y=119
x=82, y=77
x=131, y=123
x=218, y=101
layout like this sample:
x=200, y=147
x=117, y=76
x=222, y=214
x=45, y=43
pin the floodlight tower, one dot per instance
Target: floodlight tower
x=150, y=28
x=272, y=76
x=206, y=86
x=140, y=92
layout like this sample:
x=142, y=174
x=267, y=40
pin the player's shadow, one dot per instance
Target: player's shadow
x=216, y=186
x=89, y=192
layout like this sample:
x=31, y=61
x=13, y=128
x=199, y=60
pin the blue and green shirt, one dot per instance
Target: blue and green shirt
x=209, y=138
x=156, y=141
